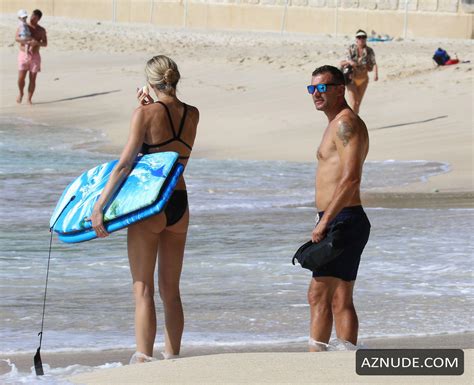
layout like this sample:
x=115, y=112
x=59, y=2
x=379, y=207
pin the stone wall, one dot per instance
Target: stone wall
x=404, y=18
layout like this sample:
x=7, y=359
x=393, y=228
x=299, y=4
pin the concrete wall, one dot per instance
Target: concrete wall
x=414, y=18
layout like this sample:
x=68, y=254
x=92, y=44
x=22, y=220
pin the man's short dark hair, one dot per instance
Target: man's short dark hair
x=337, y=75
x=38, y=13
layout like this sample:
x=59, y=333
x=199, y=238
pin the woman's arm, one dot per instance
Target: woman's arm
x=345, y=63
x=120, y=171
x=350, y=56
x=372, y=64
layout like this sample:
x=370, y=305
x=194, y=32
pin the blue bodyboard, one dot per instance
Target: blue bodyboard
x=144, y=193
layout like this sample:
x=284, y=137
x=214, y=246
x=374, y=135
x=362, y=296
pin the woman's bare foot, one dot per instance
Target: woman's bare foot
x=19, y=98
x=169, y=356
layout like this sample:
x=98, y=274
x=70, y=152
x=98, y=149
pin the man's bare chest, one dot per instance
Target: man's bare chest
x=327, y=148
x=36, y=33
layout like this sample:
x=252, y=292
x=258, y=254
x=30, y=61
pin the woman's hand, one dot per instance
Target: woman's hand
x=143, y=96
x=97, y=219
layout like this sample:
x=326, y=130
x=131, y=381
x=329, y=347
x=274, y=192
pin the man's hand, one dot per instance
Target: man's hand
x=319, y=232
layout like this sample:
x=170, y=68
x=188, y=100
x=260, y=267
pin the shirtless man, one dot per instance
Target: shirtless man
x=341, y=155
x=30, y=62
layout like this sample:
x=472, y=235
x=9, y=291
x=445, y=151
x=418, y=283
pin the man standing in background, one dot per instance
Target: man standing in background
x=29, y=59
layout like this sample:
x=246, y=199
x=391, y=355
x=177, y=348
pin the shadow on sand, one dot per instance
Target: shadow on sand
x=409, y=123
x=80, y=97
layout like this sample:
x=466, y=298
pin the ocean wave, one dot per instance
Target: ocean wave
x=239, y=340
x=52, y=376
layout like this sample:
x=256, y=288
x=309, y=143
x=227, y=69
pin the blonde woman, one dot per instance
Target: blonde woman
x=165, y=125
x=361, y=58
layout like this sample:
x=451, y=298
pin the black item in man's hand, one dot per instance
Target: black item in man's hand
x=313, y=256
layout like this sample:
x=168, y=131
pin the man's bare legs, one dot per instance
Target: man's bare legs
x=32, y=86
x=21, y=85
x=345, y=316
x=320, y=293
x=328, y=297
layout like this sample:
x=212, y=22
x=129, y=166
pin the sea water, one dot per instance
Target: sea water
x=238, y=284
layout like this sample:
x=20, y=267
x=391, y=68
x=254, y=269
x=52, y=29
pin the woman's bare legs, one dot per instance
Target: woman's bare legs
x=170, y=263
x=142, y=252
x=356, y=93
x=146, y=240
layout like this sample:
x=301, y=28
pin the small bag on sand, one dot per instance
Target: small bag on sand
x=441, y=57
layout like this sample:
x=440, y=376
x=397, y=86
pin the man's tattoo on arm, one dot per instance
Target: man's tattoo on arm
x=345, y=132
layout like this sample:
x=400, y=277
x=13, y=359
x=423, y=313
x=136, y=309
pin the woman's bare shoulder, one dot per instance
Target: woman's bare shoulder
x=193, y=112
x=192, y=109
x=148, y=112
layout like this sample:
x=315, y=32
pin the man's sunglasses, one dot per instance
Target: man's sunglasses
x=321, y=87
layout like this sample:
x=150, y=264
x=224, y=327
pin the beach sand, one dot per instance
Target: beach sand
x=95, y=358
x=250, y=89
x=260, y=368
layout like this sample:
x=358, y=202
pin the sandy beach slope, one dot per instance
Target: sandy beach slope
x=250, y=88
x=93, y=358
x=260, y=368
